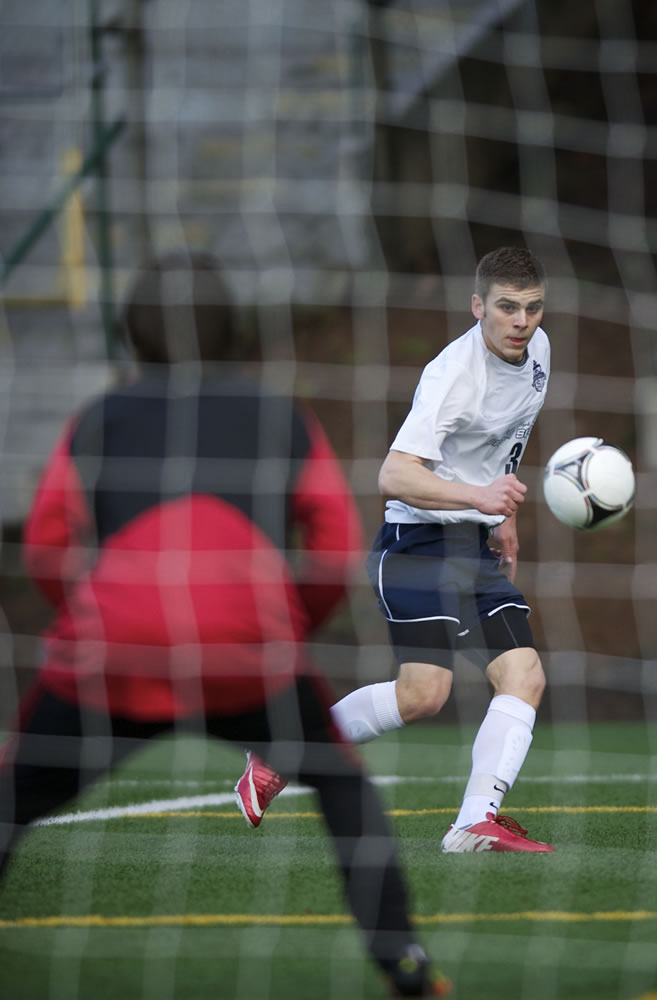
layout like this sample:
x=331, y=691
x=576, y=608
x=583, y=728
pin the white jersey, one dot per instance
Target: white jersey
x=471, y=417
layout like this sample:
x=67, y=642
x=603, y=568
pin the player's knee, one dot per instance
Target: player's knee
x=422, y=690
x=537, y=678
x=422, y=705
x=519, y=672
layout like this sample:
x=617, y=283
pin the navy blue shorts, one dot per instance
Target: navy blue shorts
x=442, y=592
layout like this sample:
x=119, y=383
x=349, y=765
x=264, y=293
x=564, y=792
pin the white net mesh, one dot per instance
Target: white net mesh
x=349, y=163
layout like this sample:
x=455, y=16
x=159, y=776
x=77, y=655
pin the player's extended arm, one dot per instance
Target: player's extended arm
x=324, y=507
x=406, y=477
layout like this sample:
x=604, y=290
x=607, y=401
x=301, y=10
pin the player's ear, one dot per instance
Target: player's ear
x=478, y=310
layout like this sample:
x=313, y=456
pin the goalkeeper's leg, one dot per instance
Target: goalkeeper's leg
x=367, y=855
x=57, y=749
x=300, y=740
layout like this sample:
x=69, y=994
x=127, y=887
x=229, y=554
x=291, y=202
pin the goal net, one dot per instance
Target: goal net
x=348, y=164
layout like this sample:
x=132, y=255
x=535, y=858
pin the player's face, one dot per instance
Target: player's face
x=509, y=317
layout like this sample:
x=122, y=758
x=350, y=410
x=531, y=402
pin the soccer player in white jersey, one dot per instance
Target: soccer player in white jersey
x=451, y=488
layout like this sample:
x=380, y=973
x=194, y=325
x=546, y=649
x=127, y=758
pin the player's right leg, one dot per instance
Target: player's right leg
x=257, y=787
x=360, y=716
x=55, y=750
x=419, y=693
x=375, y=886
x=423, y=627
x=296, y=734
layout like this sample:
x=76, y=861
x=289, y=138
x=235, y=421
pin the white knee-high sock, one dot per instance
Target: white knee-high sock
x=498, y=753
x=367, y=712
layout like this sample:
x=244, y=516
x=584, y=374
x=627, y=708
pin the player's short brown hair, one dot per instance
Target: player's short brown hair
x=179, y=309
x=513, y=266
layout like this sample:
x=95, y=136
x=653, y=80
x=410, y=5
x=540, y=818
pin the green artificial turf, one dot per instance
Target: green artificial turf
x=193, y=905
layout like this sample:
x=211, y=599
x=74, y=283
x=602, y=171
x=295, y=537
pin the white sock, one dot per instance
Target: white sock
x=498, y=753
x=367, y=712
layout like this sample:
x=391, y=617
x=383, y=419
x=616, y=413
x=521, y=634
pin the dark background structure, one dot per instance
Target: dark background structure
x=539, y=131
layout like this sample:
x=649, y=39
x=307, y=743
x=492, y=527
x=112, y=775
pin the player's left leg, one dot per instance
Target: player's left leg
x=502, y=742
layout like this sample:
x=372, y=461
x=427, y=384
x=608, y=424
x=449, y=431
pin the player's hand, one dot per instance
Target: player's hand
x=503, y=496
x=503, y=543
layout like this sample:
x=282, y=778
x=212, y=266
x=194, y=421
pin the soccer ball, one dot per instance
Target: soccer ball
x=589, y=484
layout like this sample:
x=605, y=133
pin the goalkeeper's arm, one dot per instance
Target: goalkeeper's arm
x=332, y=538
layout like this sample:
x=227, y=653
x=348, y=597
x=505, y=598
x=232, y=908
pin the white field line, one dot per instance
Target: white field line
x=227, y=798
x=155, y=805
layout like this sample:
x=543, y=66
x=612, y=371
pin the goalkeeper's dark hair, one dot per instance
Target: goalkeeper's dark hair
x=513, y=266
x=178, y=310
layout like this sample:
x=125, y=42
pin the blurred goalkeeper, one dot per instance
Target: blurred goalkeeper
x=160, y=532
x=451, y=488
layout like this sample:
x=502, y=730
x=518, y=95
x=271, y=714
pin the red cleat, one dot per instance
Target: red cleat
x=440, y=985
x=495, y=833
x=413, y=976
x=256, y=788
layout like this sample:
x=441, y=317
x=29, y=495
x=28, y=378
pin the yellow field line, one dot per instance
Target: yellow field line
x=449, y=810
x=316, y=920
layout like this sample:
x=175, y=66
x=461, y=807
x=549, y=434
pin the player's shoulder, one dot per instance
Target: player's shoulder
x=540, y=343
x=463, y=352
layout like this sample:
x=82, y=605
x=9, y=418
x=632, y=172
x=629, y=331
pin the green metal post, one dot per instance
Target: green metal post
x=35, y=230
x=103, y=222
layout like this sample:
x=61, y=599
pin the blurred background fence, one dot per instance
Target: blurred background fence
x=349, y=162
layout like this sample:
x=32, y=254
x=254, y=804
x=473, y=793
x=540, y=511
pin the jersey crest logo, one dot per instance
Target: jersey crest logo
x=539, y=378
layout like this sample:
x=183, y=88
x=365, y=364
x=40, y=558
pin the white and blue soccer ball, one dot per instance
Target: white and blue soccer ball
x=589, y=484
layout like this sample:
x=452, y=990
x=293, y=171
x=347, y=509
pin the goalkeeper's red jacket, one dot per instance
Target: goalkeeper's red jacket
x=166, y=531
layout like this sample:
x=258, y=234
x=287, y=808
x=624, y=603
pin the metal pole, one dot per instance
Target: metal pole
x=46, y=216
x=385, y=161
x=103, y=223
x=134, y=48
